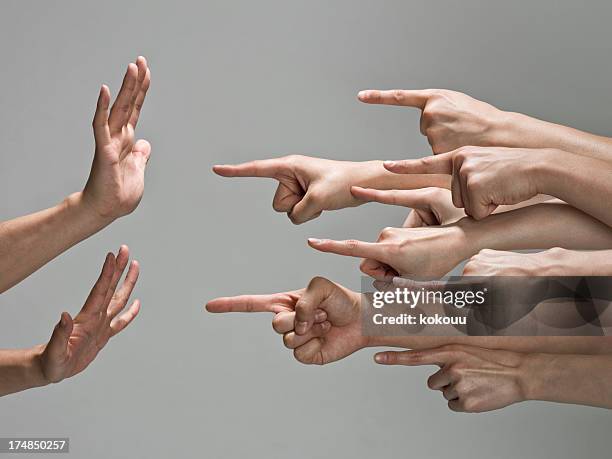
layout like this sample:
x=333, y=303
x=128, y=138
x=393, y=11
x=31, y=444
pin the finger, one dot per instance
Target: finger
x=138, y=96
x=100, y=121
x=450, y=393
x=123, y=320
x=413, y=220
x=260, y=168
x=439, y=380
x=125, y=291
x=456, y=405
x=405, y=97
x=142, y=152
x=419, y=198
x=315, y=294
x=439, y=164
x=120, y=110
x=58, y=343
x=378, y=270
x=97, y=296
x=293, y=340
x=415, y=357
x=121, y=261
x=306, y=209
x=284, y=322
x=310, y=353
x=277, y=302
x=351, y=248
x=456, y=190
x=285, y=198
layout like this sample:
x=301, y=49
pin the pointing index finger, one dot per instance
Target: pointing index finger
x=275, y=303
x=269, y=168
x=351, y=248
x=439, y=164
x=405, y=97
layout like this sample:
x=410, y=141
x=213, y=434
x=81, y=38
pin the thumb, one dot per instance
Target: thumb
x=58, y=344
x=308, y=208
x=142, y=152
x=316, y=293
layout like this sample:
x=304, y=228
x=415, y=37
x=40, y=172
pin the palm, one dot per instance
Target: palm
x=76, y=343
x=116, y=182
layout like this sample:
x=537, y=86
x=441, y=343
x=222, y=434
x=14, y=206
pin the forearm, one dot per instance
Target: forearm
x=541, y=226
x=562, y=262
x=20, y=370
x=594, y=345
x=522, y=131
x=578, y=379
x=29, y=242
x=584, y=183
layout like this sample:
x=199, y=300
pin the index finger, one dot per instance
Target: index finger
x=351, y=248
x=405, y=97
x=415, y=358
x=269, y=168
x=277, y=302
x=439, y=164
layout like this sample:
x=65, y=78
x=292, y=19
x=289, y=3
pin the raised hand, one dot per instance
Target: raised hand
x=449, y=119
x=427, y=252
x=75, y=343
x=472, y=379
x=482, y=178
x=326, y=315
x=431, y=206
x=116, y=182
x=308, y=186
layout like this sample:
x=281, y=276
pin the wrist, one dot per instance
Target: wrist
x=506, y=129
x=79, y=205
x=469, y=237
x=546, y=171
x=32, y=367
x=529, y=377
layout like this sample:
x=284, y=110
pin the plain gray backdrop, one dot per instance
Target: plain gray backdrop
x=234, y=81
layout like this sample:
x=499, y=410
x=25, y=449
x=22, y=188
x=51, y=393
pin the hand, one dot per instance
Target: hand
x=328, y=318
x=74, y=344
x=472, y=379
x=432, y=206
x=429, y=252
x=482, y=178
x=308, y=186
x=116, y=182
x=449, y=119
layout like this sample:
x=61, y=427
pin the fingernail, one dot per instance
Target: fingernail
x=362, y=94
x=314, y=241
x=63, y=320
x=320, y=316
x=301, y=327
x=326, y=325
x=380, y=358
x=389, y=163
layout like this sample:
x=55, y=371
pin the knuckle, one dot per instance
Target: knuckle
x=351, y=244
x=386, y=233
x=398, y=95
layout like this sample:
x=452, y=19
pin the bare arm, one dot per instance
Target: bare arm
x=114, y=188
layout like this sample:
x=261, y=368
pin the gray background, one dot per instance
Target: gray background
x=234, y=81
